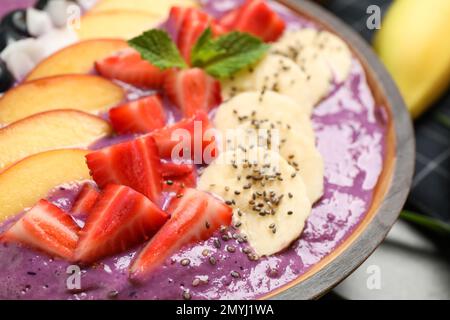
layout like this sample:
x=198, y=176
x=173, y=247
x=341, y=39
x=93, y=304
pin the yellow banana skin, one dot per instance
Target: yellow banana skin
x=414, y=44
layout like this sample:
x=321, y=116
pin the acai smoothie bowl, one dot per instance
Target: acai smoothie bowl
x=192, y=150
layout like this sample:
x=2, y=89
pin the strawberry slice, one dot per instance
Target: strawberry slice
x=121, y=219
x=195, y=216
x=192, y=90
x=228, y=21
x=47, y=228
x=140, y=116
x=135, y=163
x=255, y=17
x=177, y=177
x=202, y=147
x=193, y=25
x=176, y=19
x=85, y=200
x=128, y=66
x=177, y=185
x=173, y=170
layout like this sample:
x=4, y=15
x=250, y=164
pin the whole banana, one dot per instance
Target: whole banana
x=414, y=44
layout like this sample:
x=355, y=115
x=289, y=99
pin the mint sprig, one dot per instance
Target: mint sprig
x=220, y=57
x=224, y=56
x=156, y=46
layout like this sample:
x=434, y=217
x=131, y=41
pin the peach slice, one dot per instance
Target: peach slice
x=78, y=58
x=161, y=8
x=121, y=24
x=49, y=130
x=32, y=178
x=81, y=92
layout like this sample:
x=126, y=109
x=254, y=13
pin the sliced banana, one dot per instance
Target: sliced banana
x=297, y=150
x=264, y=106
x=276, y=73
x=268, y=196
x=313, y=50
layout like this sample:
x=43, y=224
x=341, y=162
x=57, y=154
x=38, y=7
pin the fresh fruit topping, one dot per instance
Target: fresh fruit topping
x=141, y=116
x=173, y=170
x=195, y=216
x=194, y=23
x=50, y=130
x=6, y=78
x=28, y=180
x=81, y=92
x=176, y=19
x=270, y=207
x=135, y=164
x=177, y=177
x=195, y=139
x=128, y=66
x=45, y=227
x=121, y=219
x=257, y=18
x=85, y=200
x=192, y=90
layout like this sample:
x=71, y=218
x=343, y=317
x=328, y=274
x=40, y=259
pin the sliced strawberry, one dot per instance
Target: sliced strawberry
x=171, y=145
x=176, y=19
x=45, y=227
x=255, y=17
x=140, y=116
x=176, y=186
x=86, y=199
x=195, y=216
x=218, y=29
x=121, y=219
x=128, y=66
x=194, y=23
x=135, y=163
x=177, y=177
x=228, y=21
x=192, y=90
x=173, y=170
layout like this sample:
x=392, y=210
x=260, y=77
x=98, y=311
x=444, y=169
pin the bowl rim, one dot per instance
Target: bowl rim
x=368, y=235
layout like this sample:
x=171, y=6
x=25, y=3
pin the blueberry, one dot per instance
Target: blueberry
x=41, y=4
x=17, y=21
x=6, y=78
x=8, y=35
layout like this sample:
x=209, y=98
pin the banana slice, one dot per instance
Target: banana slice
x=315, y=50
x=268, y=196
x=276, y=73
x=264, y=106
x=297, y=150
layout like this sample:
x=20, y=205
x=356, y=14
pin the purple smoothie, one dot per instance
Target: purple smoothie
x=9, y=5
x=350, y=131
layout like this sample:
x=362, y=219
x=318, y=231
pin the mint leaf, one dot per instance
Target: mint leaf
x=228, y=54
x=156, y=47
x=205, y=49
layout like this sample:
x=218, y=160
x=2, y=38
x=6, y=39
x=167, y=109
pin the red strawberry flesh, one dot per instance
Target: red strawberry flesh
x=121, y=219
x=47, y=228
x=195, y=216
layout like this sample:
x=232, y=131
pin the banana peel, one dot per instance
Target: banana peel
x=414, y=44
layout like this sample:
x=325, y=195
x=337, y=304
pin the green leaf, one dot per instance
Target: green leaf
x=426, y=222
x=228, y=54
x=156, y=47
x=443, y=119
x=204, y=50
